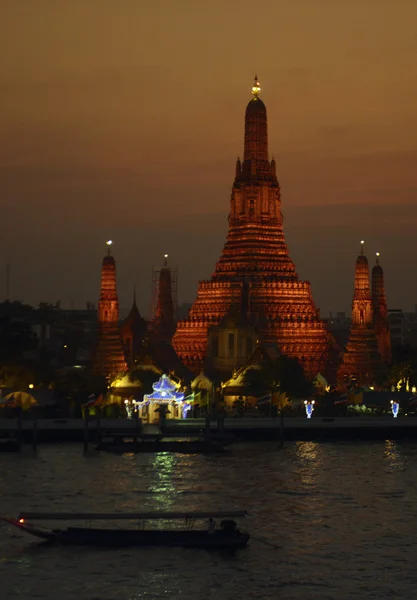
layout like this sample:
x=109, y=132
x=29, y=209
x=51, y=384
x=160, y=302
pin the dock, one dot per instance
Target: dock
x=251, y=429
x=302, y=429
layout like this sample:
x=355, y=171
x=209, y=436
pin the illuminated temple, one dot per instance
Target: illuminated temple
x=362, y=362
x=255, y=272
x=109, y=358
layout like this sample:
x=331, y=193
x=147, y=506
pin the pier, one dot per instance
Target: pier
x=257, y=429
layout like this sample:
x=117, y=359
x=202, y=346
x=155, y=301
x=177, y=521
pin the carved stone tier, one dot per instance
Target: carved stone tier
x=361, y=360
x=255, y=270
x=109, y=359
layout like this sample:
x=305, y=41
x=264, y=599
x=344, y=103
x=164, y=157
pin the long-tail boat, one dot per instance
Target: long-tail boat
x=226, y=535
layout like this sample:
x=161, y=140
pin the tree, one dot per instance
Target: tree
x=284, y=373
x=17, y=377
x=146, y=377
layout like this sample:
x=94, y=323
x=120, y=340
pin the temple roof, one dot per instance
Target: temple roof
x=201, y=382
x=134, y=318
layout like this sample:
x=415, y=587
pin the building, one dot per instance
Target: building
x=230, y=343
x=133, y=333
x=361, y=362
x=396, y=326
x=255, y=271
x=162, y=325
x=109, y=358
x=380, y=312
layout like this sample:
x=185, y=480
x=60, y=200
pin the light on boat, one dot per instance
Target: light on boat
x=21, y=520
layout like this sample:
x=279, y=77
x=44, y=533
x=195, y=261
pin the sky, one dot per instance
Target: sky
x=123, y=120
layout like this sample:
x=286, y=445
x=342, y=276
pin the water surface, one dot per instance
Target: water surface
x=329, y=521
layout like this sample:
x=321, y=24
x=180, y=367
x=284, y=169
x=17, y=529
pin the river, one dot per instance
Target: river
x=329, y=521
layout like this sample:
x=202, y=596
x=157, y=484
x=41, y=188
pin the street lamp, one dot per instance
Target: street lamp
x=395, y=407
x=309, y=406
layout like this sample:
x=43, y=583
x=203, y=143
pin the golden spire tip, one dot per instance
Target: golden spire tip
x=256, y=88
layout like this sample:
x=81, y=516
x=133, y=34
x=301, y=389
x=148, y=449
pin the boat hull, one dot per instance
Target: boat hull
x=131, y=538
x=122, y=538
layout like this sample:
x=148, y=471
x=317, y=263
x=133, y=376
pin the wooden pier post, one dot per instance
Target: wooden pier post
x=34, y=430
x=137, y=422
x=281, y=428
x=19, y=428
x=98, y=431
x=86, y=432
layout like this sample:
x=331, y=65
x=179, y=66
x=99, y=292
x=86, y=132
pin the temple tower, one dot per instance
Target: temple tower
x=133, y=333
x=109, y=358
x=162, y=326
x=255, y=269
x=380, y=312
x=361, y=362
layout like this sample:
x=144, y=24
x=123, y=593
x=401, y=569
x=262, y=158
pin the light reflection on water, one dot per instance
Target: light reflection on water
x=392, y=454
x=339, y=519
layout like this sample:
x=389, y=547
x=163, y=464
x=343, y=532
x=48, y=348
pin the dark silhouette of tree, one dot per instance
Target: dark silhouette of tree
x=284, y=374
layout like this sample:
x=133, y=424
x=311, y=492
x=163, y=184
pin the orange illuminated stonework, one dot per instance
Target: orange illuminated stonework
x=255, y=271
x=361, y=363
x=380, y=312
x=109, y=358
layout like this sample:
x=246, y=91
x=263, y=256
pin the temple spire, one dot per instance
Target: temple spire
x=238, y=168
x=254, y=271
x=109, y=358
x=163, y=322
x=380, y=311
x=361, y=306
x=361, y=361
x=255, y=160
x=133, y=333
x=109, y=245
x=256, y=88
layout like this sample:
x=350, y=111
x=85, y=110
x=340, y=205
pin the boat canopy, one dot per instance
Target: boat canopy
x=50, y=516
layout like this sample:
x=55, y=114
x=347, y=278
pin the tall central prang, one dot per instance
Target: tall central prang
x=255, y=273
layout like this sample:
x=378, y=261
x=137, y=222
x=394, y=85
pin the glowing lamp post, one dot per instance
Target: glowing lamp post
x=129, y=409
x=309, y=406
x=395, y=407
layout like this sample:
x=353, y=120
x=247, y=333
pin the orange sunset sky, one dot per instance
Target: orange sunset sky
x=123, y=120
